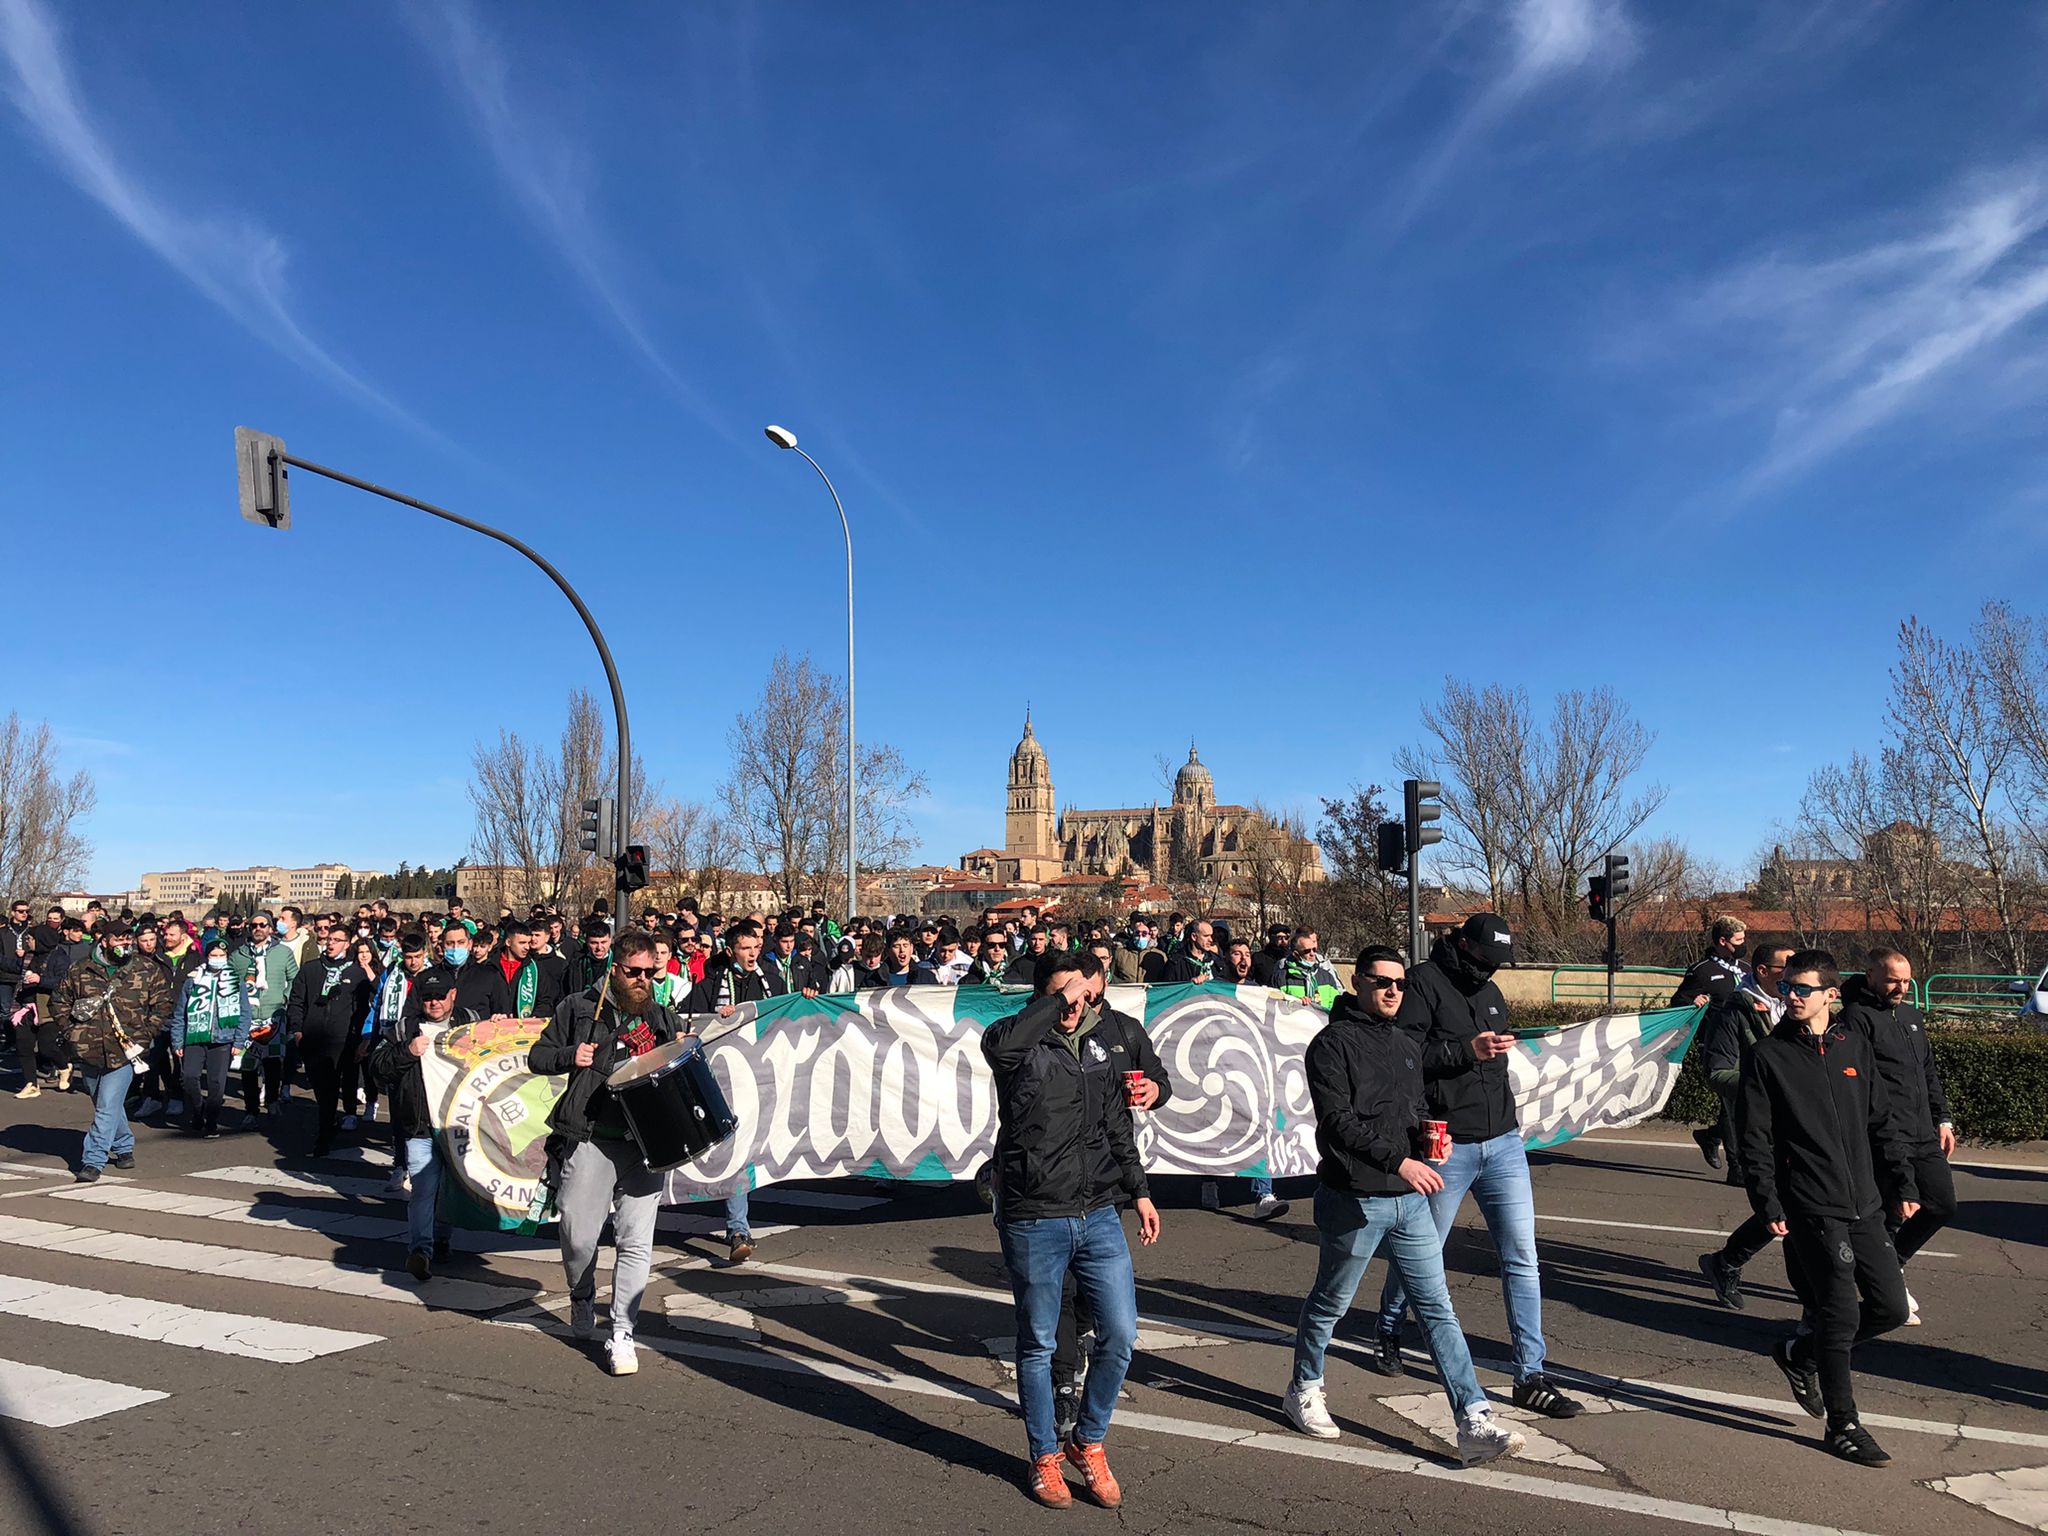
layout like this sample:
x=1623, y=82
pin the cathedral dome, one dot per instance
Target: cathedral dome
x=1028, y=763
x=1194, y=784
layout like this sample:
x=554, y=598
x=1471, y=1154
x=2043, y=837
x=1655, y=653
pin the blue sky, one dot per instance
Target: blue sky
x=1217, y=372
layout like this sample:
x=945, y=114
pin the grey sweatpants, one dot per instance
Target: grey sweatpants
x=597, y=1174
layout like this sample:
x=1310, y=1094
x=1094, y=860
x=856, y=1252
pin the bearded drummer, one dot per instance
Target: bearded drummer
x=591, y=1035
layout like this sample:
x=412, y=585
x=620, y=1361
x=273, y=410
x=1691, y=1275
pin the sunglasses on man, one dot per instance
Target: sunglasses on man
x=1387, y=983
x=640, y=972
x=1799, y=989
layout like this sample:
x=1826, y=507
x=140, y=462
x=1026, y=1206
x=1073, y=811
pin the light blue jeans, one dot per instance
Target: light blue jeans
x=1497, y=1174
x=736, y=1215
x=1039, y=1254
x=1353, y=1228
x=108, y=1135
x=425, y=1226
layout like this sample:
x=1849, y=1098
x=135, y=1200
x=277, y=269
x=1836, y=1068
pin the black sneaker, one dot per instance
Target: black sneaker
x=441, y=1251
x=1725, y=1278
x=125, y=1161
x=1066, y=1411
x=87, y=1175
x=417, y=1266
x=1386, y=1355
x=1804, y=1380
x=1710, y=1146
x=1537, y=1395
x=1852, y=1442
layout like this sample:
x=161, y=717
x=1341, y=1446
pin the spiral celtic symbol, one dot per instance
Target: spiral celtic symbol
x=1225, y=1086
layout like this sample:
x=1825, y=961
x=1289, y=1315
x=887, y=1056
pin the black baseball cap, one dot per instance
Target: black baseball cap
x=433, y=988
x=1486, y=935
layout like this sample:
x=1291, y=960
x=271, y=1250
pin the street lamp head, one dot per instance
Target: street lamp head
x=781, y=437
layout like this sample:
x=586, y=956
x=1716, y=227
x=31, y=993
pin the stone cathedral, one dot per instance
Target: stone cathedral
x=1042, y=843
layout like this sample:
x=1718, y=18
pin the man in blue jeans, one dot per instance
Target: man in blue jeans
x=109, y=1005
x=1066, y=1160
x=1458, y=1020
x=431, y=1001
x=1365, y=1080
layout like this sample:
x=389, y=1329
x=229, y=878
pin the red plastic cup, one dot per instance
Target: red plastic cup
x=1436, y=1141
x=1134, y=1084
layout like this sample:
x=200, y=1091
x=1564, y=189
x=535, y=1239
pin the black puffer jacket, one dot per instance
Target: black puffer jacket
x=575, y=1023
x=1898, y=1034
x=1065, y=1143
x=327, y=1004
x=1447, y=1004
x=1365, y=1079
x=1814, y=1119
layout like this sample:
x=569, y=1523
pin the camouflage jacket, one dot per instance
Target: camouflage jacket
x=99, y=1008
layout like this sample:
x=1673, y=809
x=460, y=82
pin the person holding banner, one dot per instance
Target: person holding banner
x=602, y=1174
x=1067, y=1155
x=109, y=1004
x=395, y=1062
x=1459, y=1021
x=1365, y=1080
x=741, y=979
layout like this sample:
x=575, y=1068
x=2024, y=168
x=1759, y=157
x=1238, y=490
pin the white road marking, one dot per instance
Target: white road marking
x=166, y=1322
x=1713, y=1232
x=2020, y=1495
x=1431, y=1413
x=267, y=1268
x=35, y=1394
x=1489, y=1478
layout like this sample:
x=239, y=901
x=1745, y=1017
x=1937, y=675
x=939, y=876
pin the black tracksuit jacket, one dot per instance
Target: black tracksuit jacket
x=1812, y=1118
x=1066, y=1144
x=1898, y=1034
x=1365, y=1080
x=1447, y=1004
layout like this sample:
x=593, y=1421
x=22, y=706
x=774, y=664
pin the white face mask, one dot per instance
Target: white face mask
x=216, y=962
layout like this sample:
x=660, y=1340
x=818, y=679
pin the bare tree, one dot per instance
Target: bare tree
x=887, y=788
x=528, y=803
x=1359, y=903
x=1529, y=809
x=1943, y=700
x=1883, y=822
x=42, y=849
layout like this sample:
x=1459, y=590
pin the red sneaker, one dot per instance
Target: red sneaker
x=1049, y=1483
x=1102, y=1484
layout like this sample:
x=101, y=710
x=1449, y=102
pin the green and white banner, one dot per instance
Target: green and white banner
x=891, y=1084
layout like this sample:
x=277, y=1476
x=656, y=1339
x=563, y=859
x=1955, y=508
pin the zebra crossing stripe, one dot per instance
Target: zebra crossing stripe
x=35, y=1394
x=166, y=1322
x=275, y=1269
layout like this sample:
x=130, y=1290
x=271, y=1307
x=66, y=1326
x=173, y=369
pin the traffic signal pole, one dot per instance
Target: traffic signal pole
x=260, y=464
x=1419, y=809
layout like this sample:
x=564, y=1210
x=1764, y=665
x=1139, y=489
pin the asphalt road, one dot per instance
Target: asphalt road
x=227, y=1332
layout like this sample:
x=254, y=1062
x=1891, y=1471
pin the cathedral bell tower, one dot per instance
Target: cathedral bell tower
x=1029, y=825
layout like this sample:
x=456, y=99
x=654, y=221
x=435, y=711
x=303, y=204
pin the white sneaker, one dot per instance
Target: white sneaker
x=619, y=1357
x=1912, y=1311
x=348, y=1122
x=147, y=1108
x=1308, y=1411
x=583, y=1318
x=1268, y=1207
x=400, y=1182
x=1480, y=1439
x=29, y=1090
x=1210, y=1201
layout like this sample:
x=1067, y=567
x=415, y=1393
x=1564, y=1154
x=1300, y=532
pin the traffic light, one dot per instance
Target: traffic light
x=1421, y=796
x=1617, y=879
x=1596, y=898
x=262, y=479
x=632, y=867
x=594, y=832
x=1393, y=858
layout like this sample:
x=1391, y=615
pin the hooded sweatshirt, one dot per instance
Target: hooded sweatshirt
x=1449, y=1001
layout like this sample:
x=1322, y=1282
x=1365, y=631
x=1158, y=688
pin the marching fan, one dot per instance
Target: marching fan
x=602, y=1172
x=209, y=1023
x=109, y=1006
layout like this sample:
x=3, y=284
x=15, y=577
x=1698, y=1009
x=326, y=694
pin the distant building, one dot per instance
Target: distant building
x=184, y=889
x=1148, y=843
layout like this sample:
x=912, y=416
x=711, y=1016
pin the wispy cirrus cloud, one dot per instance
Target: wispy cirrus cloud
x=549, y=176
x=234, y=261
x=1853, y=337
x=1543, y=43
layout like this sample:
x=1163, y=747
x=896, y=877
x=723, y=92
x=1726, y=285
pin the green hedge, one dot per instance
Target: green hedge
x=1997, y=1086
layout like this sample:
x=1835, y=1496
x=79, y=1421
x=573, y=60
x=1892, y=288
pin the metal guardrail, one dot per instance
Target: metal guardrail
x=1964, y=992
x=1632, y=983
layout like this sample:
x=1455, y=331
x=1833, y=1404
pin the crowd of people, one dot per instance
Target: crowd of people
x=1835, y=1123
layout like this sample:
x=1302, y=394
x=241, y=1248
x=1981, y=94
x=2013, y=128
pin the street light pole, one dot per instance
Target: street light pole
x=257, y=455
x=782, y=437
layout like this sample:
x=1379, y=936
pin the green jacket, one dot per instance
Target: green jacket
x=1313, y=983
x=268, y=976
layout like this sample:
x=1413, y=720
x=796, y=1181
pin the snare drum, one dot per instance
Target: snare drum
x=672, y=1103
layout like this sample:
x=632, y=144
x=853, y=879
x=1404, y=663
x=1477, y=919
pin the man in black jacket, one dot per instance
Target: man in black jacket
x=13, y=960
x=1195, y=960
x=593, y=958
x=1271, y=959
x=1815, y=1118
x=603, y=1174
x=1726, y=1035
x=1365, y=1080
x=479, y=985
x=1459, y=1021
x=741, y=979
x=431, y=1000
x=1714, y=977
x=1879, y=1003
x=322, y=1017
x=1067, y=1156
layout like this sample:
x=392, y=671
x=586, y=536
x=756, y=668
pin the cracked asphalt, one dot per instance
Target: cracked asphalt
x=801, y=1407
